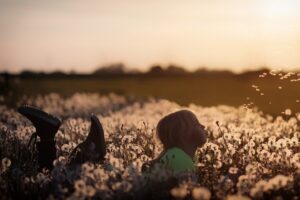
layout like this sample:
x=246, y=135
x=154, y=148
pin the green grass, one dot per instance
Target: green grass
x=201, y=90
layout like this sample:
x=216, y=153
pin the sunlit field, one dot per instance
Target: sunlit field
x=248, y=154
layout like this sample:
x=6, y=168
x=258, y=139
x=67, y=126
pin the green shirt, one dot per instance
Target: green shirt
x=177, y=160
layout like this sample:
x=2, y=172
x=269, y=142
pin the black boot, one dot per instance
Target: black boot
x=46, y=127
x=46, y=154
x=93, y=148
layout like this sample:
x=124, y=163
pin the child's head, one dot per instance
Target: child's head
x=179, y=129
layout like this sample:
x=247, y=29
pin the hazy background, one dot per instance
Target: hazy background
x=82, y=35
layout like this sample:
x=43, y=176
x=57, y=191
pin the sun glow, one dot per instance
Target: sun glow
x=231, y=34
x=279, y=9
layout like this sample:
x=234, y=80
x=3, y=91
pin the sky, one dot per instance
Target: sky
x=82, y=35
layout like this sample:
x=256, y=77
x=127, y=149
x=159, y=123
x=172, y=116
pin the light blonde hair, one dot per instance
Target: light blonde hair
x=171, y=128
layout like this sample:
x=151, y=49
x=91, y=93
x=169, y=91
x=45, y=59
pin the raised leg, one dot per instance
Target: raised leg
x=93, y=148
x=46, y=127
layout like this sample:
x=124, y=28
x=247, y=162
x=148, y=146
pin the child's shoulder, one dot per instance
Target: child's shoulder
x=177, y=160
x=176, y=153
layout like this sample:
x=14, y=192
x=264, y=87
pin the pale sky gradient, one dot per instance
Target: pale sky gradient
x=81, y=35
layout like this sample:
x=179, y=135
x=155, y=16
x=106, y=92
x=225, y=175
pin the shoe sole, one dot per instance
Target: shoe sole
x=31, y=111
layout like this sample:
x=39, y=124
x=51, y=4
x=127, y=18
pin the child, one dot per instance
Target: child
x=181, y=134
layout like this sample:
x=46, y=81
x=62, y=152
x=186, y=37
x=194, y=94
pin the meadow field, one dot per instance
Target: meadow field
x=133, y=64
x=271, y=92
x=250, y=155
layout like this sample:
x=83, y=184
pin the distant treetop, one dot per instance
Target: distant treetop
x=116, y=68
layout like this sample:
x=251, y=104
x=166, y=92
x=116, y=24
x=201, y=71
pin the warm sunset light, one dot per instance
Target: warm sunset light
x=77, y=35
x=150, y=99
x=277, y=9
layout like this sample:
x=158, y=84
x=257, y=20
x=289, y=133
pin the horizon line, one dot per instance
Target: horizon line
x=128, y=69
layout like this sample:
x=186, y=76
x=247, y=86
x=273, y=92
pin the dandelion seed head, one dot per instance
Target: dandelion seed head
x=6, y=163
x=233, y=170
x=179, y=192
x=252, y=148
x=201, y=193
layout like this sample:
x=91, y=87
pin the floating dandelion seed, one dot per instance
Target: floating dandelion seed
x=262, y=75
x=273, y=72
x=288, y=111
